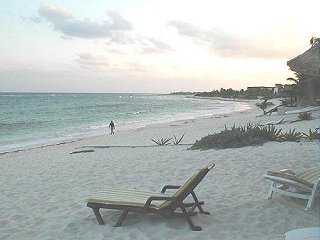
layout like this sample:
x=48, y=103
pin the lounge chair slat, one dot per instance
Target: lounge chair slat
x=304, y=185
x=309, y=175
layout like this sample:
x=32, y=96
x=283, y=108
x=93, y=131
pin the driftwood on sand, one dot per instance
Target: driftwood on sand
x=82, y=151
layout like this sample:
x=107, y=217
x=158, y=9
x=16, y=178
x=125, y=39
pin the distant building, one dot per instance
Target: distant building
x=278, y=89
x=288, y=87
x=265, y=91
x=259, y=91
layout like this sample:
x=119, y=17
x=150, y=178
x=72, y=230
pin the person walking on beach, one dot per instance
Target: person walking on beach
x=112, y=127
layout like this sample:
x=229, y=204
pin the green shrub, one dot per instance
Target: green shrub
x=305, y=116
x=233, y=138
x=291, y=136
x=249, y=135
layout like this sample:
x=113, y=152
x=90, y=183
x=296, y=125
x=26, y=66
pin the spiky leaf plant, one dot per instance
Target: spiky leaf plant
x=312, y=135
x=162, y=141
x=291, y=136
x=271, y=133
x=176, y=140
x=305, y=116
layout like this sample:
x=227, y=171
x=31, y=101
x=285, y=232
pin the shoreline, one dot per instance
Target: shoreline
x=122, y=127
x=46, y=188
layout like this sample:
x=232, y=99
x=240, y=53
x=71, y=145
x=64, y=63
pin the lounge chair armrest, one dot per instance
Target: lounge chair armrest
x=288, y=171
x=155, y=198
x=169, y=187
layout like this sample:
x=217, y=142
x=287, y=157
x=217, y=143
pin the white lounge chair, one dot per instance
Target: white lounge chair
x=304, y=185
x=312, y=233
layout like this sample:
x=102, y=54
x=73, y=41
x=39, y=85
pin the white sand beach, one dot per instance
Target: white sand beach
x=44, y=190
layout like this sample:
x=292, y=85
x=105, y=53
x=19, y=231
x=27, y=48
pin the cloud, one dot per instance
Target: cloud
x=54, y=12
x=89, y=60
x=32, y=19
x=123, y=38
x=186, y=29
x=152, y=45
x=118, y=22
x=117, y=30
x=136, y=67
x=63, y=21
x=228, y=44
x=143, y=44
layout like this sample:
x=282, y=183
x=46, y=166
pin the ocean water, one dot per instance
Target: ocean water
x=28, y=119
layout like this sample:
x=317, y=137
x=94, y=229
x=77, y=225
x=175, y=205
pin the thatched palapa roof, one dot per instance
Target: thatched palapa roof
x=307, y=63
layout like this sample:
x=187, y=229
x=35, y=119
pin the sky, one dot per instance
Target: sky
x=151, y=46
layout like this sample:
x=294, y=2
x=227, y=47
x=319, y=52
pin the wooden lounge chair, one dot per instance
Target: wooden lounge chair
x=148, y=202
x=304, y=185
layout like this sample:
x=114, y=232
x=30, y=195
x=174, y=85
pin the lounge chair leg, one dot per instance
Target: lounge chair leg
x=198, y=204
x=202, y=211
x=313, y=195
x=98, y=215
x=187, y=217
x=273, y=185
x=122, y=217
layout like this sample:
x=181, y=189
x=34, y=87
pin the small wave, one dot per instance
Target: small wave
x=109, y=106
x=14, y=95
x=96, y=127
x=21, y=123
x=139, y=112
x=8, y=95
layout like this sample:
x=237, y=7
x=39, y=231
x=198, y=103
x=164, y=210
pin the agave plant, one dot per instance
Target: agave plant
x=312, y=135
x=291, y=136
x=271, y=133
x=247, y=128
x=176, y=140
x=305, y=116
x=233, y=128
x=162, y=141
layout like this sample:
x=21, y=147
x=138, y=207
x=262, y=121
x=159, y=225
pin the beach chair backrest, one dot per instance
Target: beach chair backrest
x=310, y=175
x=188, y=186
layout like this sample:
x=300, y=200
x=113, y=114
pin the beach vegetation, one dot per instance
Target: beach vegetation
x=270, y=132
x=162, y=141
x=234, y=137
x=291, y=136
x=264, y=105
x=177, y=141
x=305, y=116
x=314, y=41
x=223, y=93
x=250, y=135
x=250, y=93
x=312, y=135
